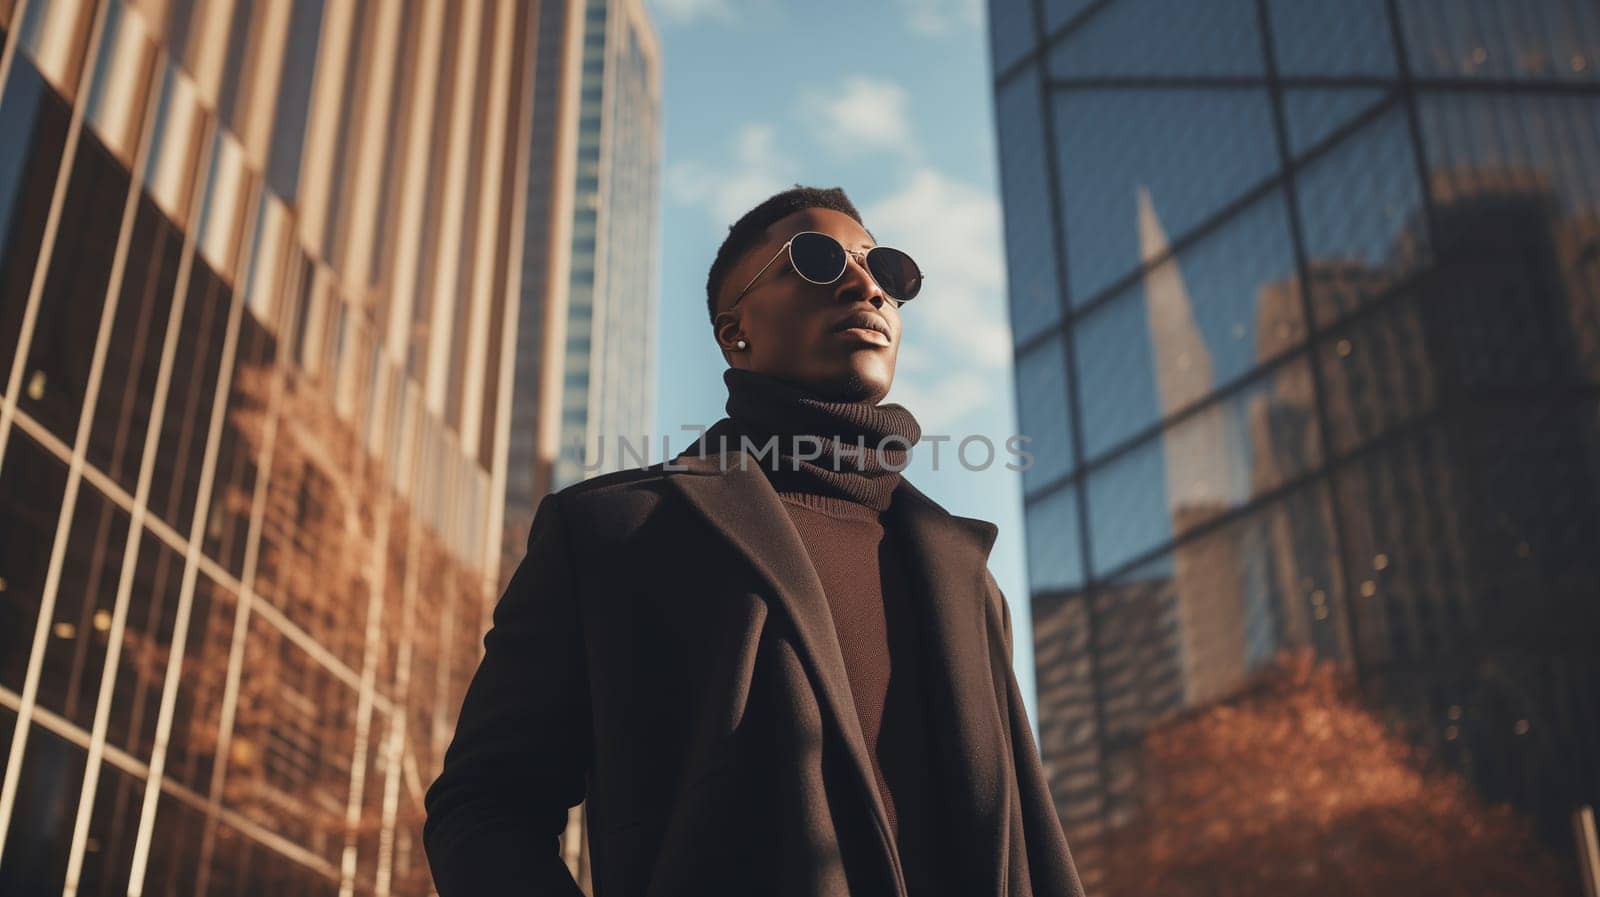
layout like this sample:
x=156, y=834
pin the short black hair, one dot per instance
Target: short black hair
x=746, y=233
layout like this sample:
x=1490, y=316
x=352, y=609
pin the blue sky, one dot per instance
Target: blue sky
x=891, y=101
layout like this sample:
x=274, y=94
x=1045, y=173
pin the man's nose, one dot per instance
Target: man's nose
x=858, y=281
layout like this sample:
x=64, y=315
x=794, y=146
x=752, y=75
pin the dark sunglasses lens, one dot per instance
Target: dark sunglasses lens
x=817, y=258
x=895, y=272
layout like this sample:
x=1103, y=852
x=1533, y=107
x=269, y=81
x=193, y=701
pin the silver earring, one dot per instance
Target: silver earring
x=741, y=344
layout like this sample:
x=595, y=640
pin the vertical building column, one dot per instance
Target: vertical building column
x=492, y=169
x=511, y=297
x=257, y=104
x=557, y=290
x=322, y=126
x=372, y=142
x=447, y=249
x=408, y=235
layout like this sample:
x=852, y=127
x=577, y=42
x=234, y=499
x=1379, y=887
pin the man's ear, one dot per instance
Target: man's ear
x=727, y=331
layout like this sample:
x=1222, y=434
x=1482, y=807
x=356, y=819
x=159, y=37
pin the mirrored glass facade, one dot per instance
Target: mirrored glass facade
x=257, y=271
x=1306, y=307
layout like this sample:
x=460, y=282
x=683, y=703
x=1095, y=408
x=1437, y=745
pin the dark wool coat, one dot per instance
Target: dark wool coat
x=665, y=649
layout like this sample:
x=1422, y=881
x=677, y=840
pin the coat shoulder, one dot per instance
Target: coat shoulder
x=616, y=503
x=616, y=481
x=982, y=531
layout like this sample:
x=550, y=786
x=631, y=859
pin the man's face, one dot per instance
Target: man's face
x=790, y=325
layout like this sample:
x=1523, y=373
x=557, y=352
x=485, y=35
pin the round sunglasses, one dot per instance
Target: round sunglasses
x=822, y=260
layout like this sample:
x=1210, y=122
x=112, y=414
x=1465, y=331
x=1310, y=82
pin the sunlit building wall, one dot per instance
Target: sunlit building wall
x=1306, y=307
x=258, y=266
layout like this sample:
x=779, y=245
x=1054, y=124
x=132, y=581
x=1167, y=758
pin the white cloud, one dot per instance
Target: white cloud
x=941, y=401
x=759, y=169
x=941, y=16
x=953, y=230
x=681, y=12
x=860, y=115
x=957, y=349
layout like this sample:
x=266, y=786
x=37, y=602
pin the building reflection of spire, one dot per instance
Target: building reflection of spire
x=1205, y=471
x=1283, y=433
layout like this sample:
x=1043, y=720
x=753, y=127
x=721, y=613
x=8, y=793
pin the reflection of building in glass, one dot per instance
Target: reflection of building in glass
x=1204, y=475
x=257, y=265
x=1306, y=301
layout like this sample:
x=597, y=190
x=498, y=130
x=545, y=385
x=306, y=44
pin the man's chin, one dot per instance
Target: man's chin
x=854, y=386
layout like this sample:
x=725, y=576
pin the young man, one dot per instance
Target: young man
x=772, y=665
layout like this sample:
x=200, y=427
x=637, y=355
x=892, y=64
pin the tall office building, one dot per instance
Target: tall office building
x=1306, y=308
x=258, y=267
x=586, y=350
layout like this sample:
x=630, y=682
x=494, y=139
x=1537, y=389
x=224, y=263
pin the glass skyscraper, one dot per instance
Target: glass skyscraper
x=1306, y=308
x=609, y=368
x=586, y=357
x=258, y=278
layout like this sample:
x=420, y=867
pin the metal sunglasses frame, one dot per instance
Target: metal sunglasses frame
x=860, y=257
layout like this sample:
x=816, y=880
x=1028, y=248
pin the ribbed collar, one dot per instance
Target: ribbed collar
x=863, y=446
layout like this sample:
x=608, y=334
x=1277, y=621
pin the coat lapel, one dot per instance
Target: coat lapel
x=736, y=499
x=947, y=556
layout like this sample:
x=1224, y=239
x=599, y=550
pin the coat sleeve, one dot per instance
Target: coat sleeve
x=1050, y=869
x=521, y=752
